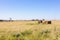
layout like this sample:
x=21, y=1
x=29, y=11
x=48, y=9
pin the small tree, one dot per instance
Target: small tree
x=10, y=19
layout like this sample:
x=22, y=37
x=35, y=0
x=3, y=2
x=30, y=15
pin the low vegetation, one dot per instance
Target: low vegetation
x=31, y=31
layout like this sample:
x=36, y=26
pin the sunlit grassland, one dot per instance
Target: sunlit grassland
x=29, y=30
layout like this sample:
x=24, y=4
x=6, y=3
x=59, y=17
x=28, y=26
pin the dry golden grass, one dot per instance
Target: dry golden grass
x=16, y=26
x=20, y=26
x=26, y=25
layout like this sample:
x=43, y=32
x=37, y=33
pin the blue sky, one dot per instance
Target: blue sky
x=30, y=9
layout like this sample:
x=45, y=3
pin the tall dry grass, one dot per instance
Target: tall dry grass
x=29, y=30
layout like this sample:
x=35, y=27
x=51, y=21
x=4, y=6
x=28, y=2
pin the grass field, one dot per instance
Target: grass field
x=29, y=30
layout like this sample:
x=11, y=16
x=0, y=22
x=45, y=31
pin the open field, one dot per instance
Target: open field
x=29, y=30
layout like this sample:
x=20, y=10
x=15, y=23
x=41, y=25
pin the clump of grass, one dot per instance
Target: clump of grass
x=46, y=31
x=22, y=36
x=44, y=34
x=17, y=36
x=27, y=32
x=2, y=37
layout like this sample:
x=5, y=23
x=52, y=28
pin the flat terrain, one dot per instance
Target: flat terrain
x=8, y=29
